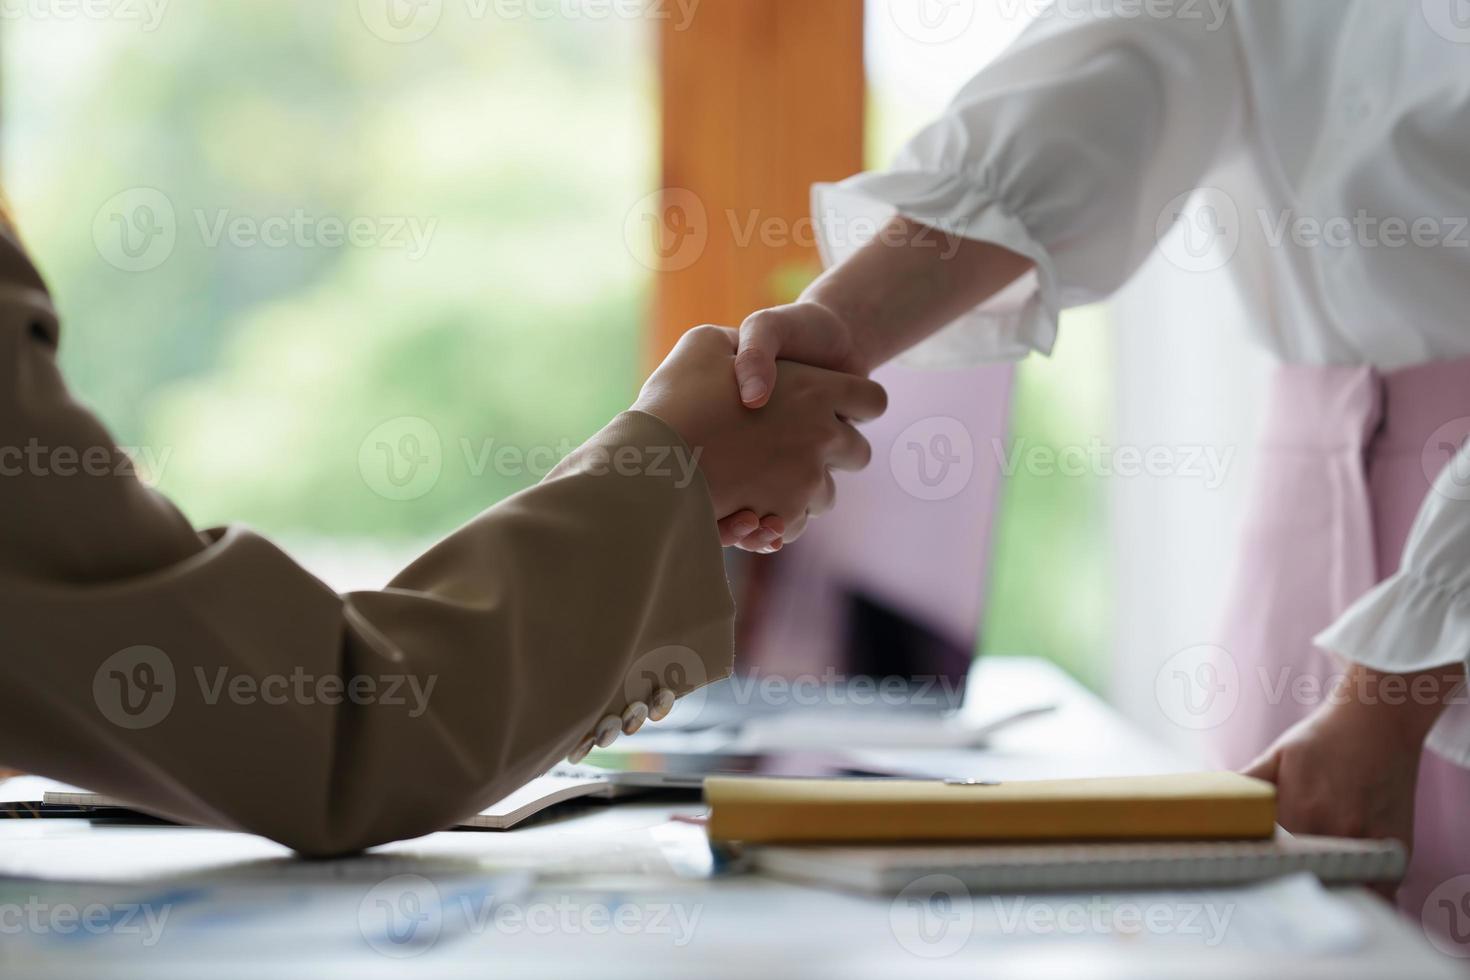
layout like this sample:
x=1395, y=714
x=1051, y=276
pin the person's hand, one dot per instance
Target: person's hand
x=777, y=461
x=1337, y=776
x=1351, y=769
x=805, y=331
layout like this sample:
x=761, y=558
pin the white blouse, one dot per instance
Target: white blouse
x=1317, y=149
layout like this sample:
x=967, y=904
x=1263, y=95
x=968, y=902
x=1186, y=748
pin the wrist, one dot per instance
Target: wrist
x=847, y=321
x=1402, y=708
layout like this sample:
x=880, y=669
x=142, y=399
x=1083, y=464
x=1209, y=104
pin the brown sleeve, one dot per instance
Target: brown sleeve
x=207, y=677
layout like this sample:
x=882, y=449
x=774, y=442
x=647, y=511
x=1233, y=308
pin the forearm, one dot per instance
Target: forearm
x=908, y=283
x=1403, y=708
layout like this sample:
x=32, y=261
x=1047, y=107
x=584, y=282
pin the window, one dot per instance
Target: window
x=346, y=279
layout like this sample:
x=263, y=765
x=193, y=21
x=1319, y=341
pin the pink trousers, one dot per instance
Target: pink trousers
x=1343, y=473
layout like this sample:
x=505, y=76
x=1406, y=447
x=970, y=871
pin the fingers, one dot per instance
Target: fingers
x=761, y=338
x=859, y=399
x=767, y=539
x=737, y=527
x=795, y=528
x=852, y=451
x=826, y=499
x=1264, y=767
x=746, y=531
x=708, y=335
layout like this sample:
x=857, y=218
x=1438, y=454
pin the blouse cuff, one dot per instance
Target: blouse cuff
x=1404, y=625
x=1008, y=327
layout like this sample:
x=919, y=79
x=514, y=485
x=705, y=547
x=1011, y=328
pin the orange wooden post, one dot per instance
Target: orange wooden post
x=761, y=98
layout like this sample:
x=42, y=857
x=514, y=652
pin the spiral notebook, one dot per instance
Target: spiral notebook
x=1065, y=867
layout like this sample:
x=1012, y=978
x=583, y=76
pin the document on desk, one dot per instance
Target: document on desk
x=1049, y=867
x=37, y=797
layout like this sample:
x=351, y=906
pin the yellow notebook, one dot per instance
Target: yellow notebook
x=1189, y=806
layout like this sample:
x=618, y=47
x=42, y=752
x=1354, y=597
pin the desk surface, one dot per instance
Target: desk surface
x=625, y=891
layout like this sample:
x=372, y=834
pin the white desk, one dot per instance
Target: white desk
x=623, y=892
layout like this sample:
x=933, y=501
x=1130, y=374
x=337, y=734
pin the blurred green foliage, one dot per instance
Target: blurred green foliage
x=257, y=371
x=1050, y=587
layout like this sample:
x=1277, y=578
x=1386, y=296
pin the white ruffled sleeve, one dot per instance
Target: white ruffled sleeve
x=1066, y=149
x=1418, y=618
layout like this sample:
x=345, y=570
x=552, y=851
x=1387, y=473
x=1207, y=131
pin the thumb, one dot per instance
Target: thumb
x=761, y=338
x=1266, y=767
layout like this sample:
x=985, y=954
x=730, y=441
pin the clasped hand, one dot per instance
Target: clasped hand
x=776, y=460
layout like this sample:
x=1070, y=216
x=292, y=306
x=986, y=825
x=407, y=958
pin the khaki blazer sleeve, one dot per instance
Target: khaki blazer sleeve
x=207, y=677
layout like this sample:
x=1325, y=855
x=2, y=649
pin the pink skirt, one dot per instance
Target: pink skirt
x=1343, y=473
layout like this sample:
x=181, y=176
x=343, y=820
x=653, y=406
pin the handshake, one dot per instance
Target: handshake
x=768, y=433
